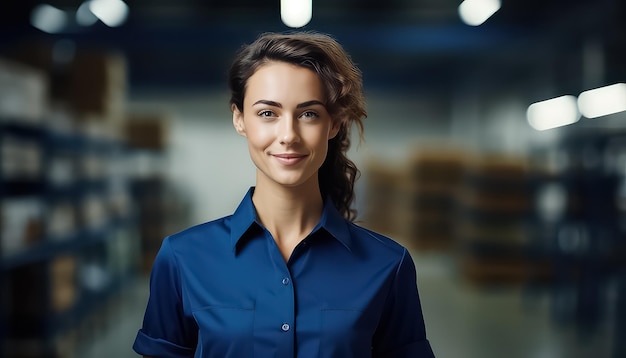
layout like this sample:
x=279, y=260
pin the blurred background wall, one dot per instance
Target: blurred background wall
x=115, y=131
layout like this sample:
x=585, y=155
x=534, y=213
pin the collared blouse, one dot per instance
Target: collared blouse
x=223, y=289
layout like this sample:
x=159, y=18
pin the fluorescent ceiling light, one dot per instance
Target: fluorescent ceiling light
x=476, y=12
x=603, y=101
x=48, y=18
x=84, y=16
x=112, y=13
x=552, y=113
x=296, y=13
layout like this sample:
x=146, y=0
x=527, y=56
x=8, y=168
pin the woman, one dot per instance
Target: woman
x=288, y=274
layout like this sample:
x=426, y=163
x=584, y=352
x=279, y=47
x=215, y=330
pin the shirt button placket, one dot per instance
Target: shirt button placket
x=286, y=282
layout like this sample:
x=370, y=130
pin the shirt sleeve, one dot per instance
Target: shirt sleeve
x=166, y=330
x=401, y=331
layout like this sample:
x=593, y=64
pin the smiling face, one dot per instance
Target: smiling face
x=286, y=124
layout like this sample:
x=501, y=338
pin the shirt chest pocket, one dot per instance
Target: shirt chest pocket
x=346, y=333
x=225, y=331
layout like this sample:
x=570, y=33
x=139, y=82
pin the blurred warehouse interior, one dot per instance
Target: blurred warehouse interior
x=117, y=132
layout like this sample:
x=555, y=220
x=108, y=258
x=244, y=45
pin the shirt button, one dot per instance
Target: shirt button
x=285, y=281
x=285, y=327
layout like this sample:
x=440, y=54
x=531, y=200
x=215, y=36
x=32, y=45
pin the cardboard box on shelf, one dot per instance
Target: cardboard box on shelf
x=23, y=92
x=63, y=283
x=94, y=212
x=61, y=171
x=499, y=272
x=499, y=167
x=437, y=165
x=97, y=84
x=62, y=220
x=20, y=159
x=53, y=58
x=91, y=81
x=435, y=175
x=385, y=198
x=21, y=223
x=147, y=131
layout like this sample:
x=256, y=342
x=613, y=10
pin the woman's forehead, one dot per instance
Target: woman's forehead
x=284, y=81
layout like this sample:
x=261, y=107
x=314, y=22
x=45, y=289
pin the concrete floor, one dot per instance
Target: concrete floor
x=462, y=320
x=470, y=321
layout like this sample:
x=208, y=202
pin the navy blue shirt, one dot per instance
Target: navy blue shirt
x=223, y=289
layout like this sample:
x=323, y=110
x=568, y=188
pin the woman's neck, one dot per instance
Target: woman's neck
x=288, y=213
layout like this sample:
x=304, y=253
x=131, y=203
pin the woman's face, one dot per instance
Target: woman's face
x=286, y=124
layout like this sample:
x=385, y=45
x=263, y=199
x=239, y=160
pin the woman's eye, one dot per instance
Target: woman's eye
x=266, y=113
x=309, y=115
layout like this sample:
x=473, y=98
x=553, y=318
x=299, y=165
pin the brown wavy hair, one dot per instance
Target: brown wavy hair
x=345, y=100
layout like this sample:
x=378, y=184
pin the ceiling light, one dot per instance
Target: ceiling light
x=475, y=12
x=296, y=13
x=112, y=13
x=603, y=101
x=552, y=113
x=84, y=16
x=48, y=18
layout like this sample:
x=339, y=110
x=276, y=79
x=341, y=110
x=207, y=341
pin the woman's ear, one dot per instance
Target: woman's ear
x=238, y=120
x=334, y=129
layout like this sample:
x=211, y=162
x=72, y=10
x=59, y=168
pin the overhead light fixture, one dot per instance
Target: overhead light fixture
x=296, y=13
x=84, y=16
x=48, y=18
x=476, y=12
x=112, y=13
x=553, y=113
x=603, y=101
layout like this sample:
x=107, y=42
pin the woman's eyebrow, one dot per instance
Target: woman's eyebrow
x=309, y=103
x=276, y=104
x=268, y=102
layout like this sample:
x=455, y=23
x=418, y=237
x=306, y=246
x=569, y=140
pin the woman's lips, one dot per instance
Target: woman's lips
x=289, y=159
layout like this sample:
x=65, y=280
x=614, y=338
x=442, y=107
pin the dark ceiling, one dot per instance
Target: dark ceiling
x=416, y=45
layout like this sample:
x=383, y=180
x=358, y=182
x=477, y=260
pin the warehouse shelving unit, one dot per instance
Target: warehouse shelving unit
x=58, y=269
x=585, y=236
x=435, y=175
x=491, y=211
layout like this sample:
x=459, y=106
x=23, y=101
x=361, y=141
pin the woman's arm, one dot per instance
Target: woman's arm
x=166, y=331
x=401, y=332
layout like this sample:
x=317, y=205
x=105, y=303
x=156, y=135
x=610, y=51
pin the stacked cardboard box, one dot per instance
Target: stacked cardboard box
x=63, y=283
x=62, y=112
x=97, y=93
x=157, y=208
x=435, y=174
x=385, y=207
x=23, y=92
x=21, y=224
x=493, y=205
x=91, y=83
x=52, y=60
x=147, y=131
x=97, y=84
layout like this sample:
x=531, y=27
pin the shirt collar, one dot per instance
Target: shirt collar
x=244, y=218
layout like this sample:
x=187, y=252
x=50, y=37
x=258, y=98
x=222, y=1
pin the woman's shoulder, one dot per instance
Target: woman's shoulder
x=376, y=240
x=217, y=228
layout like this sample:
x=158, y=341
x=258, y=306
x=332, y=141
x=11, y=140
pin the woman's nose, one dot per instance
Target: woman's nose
x=288, y=133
